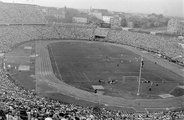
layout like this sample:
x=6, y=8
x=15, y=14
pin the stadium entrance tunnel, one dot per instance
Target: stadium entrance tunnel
x=99, y=38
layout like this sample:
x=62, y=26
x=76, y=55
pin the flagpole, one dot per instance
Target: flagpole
x=36, y=58
x=36, y=75
x=139, y=79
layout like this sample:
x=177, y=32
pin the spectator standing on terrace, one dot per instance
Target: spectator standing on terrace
x=49, y=117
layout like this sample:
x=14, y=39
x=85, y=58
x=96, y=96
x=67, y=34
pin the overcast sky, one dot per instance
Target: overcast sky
x=166, y=7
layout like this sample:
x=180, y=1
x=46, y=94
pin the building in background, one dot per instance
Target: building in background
x=175, y=26
x=130, y=24
x=80, y=20
x=107, y=19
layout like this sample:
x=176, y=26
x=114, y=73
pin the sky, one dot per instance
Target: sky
x=166, y=7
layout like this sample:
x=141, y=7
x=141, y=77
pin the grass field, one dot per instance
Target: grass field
x=83, y=64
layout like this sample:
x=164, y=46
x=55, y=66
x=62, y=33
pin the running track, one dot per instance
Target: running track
x=44, y=73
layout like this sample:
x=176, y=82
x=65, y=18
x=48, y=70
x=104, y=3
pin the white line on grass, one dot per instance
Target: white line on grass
x=56, y=64
x=146, y=110
x=86, y=77
x=164, y=108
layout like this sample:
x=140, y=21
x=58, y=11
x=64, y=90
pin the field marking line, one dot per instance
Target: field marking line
x=86, y=76
x=131, y=77
x=164, y=108
x=126, y=72
x=21, y=56
x=146, y=110
x=55, y=63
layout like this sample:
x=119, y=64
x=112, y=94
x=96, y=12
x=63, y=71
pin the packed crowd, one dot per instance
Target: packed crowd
x=168, y=47
x=18, y=103
x=21, y=23
x=20, y=14
x=11, y=35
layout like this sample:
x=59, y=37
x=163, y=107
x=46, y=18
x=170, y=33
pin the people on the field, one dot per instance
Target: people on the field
x=142, y=63
x=96, y=91
x=150, y=88
x=112, y=81
x=117, y=65
x=101, y=81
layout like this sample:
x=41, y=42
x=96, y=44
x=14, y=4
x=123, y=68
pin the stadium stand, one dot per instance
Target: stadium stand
x=100, y=34
x=167, y=47
x=20, y=14
x=18, y=103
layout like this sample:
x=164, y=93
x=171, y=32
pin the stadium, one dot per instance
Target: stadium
x=67, y=70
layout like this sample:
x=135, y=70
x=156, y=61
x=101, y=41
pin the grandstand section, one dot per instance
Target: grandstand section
x=101, y=33
x=104, y=72
x=20, y=14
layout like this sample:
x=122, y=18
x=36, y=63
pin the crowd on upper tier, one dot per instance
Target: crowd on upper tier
x=20, y=14
x=14, y=34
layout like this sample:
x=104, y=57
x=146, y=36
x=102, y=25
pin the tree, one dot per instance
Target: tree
x=123, y=22
x=94, y=20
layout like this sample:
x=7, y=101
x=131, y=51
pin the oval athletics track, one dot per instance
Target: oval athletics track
x=44, y=74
